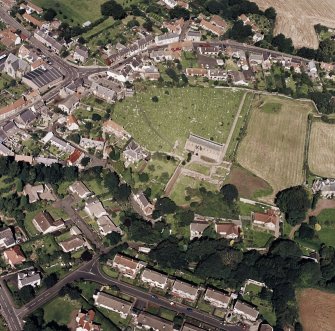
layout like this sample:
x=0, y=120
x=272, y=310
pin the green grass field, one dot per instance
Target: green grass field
x=271, y=107
x=166, y=124
x=79, y=11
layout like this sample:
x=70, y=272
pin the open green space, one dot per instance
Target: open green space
x=257, y=239
x=74, y=11
x=271, y=107
x=202, y=169
x=10, y=89
x=60, y=310
x=165, y=125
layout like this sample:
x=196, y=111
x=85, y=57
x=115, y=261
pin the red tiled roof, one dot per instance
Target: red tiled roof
x=73, y=158
x=268, y=217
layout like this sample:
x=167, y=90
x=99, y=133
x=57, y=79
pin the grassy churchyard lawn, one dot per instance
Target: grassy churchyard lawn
x=165, y=125
x=274, y=145
x=10, y=90
x=74, y=11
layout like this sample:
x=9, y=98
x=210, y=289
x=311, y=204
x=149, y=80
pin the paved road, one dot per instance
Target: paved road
x=91, y=272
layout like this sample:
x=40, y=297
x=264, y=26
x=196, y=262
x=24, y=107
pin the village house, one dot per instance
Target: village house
x=95, y=209
x=204, y=148
x=246, y=311
x=110, y=302
x=196, y=72
x=208, y=26
x=228, y=230
x=38, y=192
x=256, y=58
x=265, y=327
x=32, y=20
x=326, y=187
x=150, y=72
x=209, y=50
x=72, y=123
x=175, y=26
x=170, y=3
x=80, y=189
x=5, y=151
x=162, y=55
x=84, y=320
x=115, y=129
x=257, y=37
x=69, y=104
x=32, y=8
x=268, y=220
x=14, y=256
x=57, y=142
x=151, y=322
x=237, y=78
x=6, y=238
x=44, y=37
x=166, y=39
x=245, y=19
x=28, y=277
x=24, y=158
x=92, y=143
x=107, y=226
x=197, y=228
x=81, y=54
x=127, y=266
x=193, y=35
x=185, y=290
x=134, y=153
x=103, y=92
x=217, y=74
x=154, y=278
x=217, y=298
x=75, y=158
x=45, y=223
x=9, y=38
x=15, y=67
x=190, y=327
x=72, y=244
x=220, y=22
x=146, y=207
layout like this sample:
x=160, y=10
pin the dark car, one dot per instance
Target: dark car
x=154, y=296
x=189, y=309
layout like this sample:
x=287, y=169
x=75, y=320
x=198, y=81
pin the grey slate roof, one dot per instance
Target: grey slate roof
x=42, y=77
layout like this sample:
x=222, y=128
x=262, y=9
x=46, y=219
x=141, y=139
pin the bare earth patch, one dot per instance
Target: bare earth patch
x=248, y=184
x=321, y=152
x=317, y=310
x=296, y=18
x=273, y=148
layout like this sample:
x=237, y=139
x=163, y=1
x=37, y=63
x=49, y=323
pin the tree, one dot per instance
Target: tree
x=112, y=8
x=25, y=294
x=74, y=292
x=96, y=117
x=112, y=181
x=86, y=256
x=148, y=25
x=81, y=40
x=50, y=280
x=178, y=12
x=270, y=13
x=165, y=206
x=115, y=154
x=306, y=232
x=310, y=273
x=185, y=218
x=113, y=238
x=282, y=43
x=172, y=74
x=123, y=192
x=132, y=23
x=240, y=32
x=154, y=98
x=85, y=161
x=143, y=177
x=294, y=203
x=230, y=193
x=49, y=14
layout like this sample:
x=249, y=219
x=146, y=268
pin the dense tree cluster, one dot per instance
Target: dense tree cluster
x=114, y=9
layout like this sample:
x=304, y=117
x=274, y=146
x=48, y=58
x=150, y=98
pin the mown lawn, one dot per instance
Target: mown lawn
x=74, y=11
x=165, y=125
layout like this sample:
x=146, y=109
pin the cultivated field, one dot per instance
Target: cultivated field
x=273, y=147
x=321, y=154
x=79, y=11
x=318, y=313
x=165, y=125
x=296, y=18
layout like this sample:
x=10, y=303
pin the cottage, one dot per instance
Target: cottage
x=193, y=35
x=23, y=158
x=81, y=54
x=269, y=219
x=107, y=301
x=69, y=104
x=32, y=20
x=45, y=223
x=217, y=298
x=115, y=129
x=238, y=78
x=43, y=36
x=196, y=72
x=57, y=142
x=95, y=209
x=217, y=74
x=73, y=244
x=204, y=148
x=85, y=320
x=166, y=39
x=218, y=31
x=154, y=278
x=107, y=226
x=174, y=26
x=28, y=277
x=150, y=73
x=326, y=187
x=31, y=8
x=72, y=123
x=75, y=158
x=151, y=322
x=92, y=143
x=144, y=204
x=25, y=119
x=127, y=266
x=5, y=151
x=257, y=37
x=9, y=38
x=246, y=311
x=33, y=192
x=256, y=58
x=6, y=238
x=185, y=291
x=218, y=21
x=134, y=152
x=197, y=229
x=80, y=189
x=228, y=230
x=210, y=50
x=14, y=256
